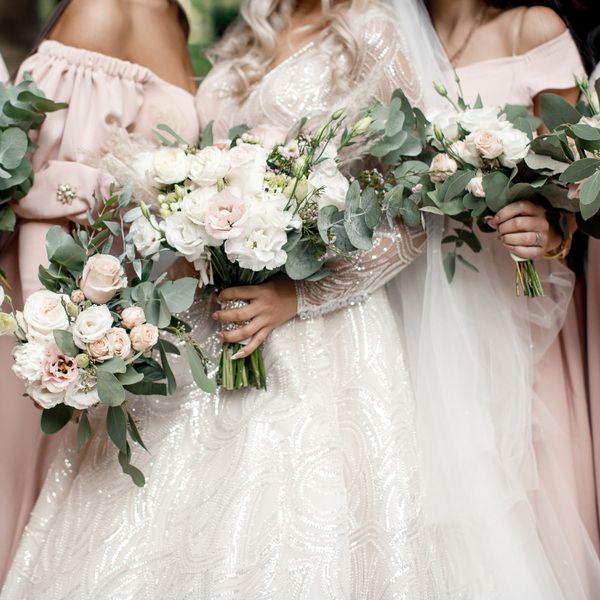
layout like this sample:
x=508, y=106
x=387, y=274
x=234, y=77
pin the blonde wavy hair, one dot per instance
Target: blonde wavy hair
x=251, y=43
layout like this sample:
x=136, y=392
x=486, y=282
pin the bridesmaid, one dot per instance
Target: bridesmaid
x=511, y=54
x=116, y=62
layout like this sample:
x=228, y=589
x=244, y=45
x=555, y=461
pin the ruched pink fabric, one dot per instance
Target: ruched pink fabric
x=102, y=92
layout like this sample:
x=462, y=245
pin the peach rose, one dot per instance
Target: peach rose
x=442, y=166
x=119, y=342
x=102, y=277
x=144, y=337
x=101, y=349
x=77, y=296
x=487, y=143
x=132, y=316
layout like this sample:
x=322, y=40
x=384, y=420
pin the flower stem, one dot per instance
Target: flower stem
x=243, y=372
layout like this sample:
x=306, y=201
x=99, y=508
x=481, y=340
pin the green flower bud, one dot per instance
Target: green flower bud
x=72, y=310
x=440, y=88
x=83, y=361
x=8, y=324
x=362, y=126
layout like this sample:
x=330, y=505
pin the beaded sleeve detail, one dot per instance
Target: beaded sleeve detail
x=352, y=282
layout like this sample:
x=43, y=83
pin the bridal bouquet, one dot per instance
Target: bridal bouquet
x=23, y=108
x=256, y=204
x=87, y=339
x=569, y=155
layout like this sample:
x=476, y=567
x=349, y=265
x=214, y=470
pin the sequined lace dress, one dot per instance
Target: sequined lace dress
x=309, y=490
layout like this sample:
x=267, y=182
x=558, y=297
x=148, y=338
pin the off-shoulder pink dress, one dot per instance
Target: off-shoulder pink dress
x=560, y=375
x=102, y=92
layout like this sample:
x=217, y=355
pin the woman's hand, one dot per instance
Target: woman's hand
x=270, y=305
x=525, y=231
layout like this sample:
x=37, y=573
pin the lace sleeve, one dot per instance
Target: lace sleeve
x=352, y=282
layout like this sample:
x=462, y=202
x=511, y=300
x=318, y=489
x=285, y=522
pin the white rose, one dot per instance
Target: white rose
x=186, y=237
x=120, y=343
x=487, y=117
x=171, y=165
x=475, y=187
x=516, y=146
x=143, y=166
x=334, y=188
x=28, y=361
x=248, y=168
x=103, y=276
x=80, y=395
x=466, y=154
x=209, y=166
x=43, y=397
x=487, y=143
x=132, y=316
x=442, y=166
x=91, y=325
x=145, y=238
x=43, y=313
x=446, y=120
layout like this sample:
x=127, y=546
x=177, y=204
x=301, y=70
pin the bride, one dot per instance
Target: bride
x=317, y=488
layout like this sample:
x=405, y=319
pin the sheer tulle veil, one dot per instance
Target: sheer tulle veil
x=472, y=347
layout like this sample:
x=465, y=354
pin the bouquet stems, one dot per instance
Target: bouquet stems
x=528, y=280
x=242, y=372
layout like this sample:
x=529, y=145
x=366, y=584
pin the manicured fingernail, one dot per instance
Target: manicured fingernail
x=237, y=355
x=220, y=335
x=215, y=316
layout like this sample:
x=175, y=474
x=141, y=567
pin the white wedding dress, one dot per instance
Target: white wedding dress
x=309, y=490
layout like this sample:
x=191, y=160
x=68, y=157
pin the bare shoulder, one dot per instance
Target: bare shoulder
x=539, y=26
x=96, y=25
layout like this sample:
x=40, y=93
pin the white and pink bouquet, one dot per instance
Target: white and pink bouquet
x=88, y=339
x=258, y=203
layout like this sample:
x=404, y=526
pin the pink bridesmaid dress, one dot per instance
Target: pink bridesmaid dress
x=102, y=92
x=564, y=448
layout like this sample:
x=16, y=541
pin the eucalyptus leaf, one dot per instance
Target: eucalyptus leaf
x=84, y=431
x=171, y=383
x=179, y=295
x=496, y=190
x=589, y=198
x=116, y=426
x=302, y=261
x=136, y=475
x=359, y=233
x=113, y=365
x=130, y=376
x=54, y=419
x=580, y=170
x=207, y=136
x=13, y=147
x=147, y=388
x=64, y=340
x=199, y=370
x=450, y=266
x=8, y=218
x=556, y=111
x=110, y=389
x=586, y=132
x=133, y=430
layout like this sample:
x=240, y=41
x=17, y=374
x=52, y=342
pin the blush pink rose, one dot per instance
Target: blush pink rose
x=119, y=342
x=487, y=143
x=132, y=316
x=58, y=370
x=144, y=337
x=442, y=166
x=101, y=349
x=226, y=213
x=102, y=277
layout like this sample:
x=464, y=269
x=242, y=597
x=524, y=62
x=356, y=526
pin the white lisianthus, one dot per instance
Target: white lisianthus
x=516, y=146
x=195, y=205
x=488, y=118
x=145, y=238
x=43, y=397
x=171, y=165
x=81, y=395
x=466, y=154
x=208, y=166
x=475, y=187
x=446, y=120
x=442, y=166
x=91, y=325
x=260, y=246
x=43, y=313
x=28, y=361
x=186, y=237
x=248, y=168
